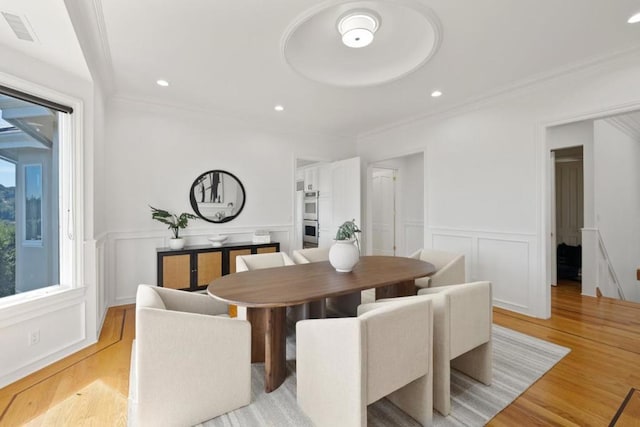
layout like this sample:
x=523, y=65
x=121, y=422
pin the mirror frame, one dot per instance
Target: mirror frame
x=194, y=203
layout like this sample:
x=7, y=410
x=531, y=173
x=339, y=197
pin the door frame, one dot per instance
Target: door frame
x=541, y=295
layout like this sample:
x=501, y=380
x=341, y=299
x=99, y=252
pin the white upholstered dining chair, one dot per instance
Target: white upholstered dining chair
x=189, y=361
x=268, y=260
x=346, y=304
x=345, y=364
x=259, y=261
x=449, y=266
x=462, y=338
x=462, y=322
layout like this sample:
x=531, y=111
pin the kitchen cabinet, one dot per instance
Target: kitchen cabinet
x=194, y=267
x=311, y=179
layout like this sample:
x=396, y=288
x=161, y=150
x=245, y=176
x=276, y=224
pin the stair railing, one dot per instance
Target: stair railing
x=612, y=271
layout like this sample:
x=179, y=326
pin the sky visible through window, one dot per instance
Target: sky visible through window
x=7, y=173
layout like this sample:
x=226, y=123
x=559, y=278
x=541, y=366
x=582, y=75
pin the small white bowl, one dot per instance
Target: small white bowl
x=217, y=240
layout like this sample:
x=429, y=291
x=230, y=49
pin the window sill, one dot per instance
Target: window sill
x=38, y=302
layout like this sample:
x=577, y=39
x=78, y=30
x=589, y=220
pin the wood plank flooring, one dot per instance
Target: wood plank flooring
x=585, y=389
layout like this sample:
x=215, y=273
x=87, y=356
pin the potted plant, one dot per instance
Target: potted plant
x=345, y=252
x=174, y=222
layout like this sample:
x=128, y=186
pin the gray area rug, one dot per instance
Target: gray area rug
x=518, y=361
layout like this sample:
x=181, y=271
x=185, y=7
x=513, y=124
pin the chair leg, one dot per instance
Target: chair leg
x=441, y=383
x=476, y=363
x=416, y=399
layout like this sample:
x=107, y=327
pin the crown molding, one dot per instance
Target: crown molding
x=210, y=113
x=522, y=87
x=628, y=124
x=88, y=22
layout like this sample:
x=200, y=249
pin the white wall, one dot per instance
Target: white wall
x=617, y=201
x=152, y=156
x=66, y=321
x=486, y=168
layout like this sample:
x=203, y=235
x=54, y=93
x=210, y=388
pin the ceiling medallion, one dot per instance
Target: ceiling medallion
x=325, y=43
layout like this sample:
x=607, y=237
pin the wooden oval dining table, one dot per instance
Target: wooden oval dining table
x=267, y=292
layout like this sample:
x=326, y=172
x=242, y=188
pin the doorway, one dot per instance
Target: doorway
x=395, y=206
x=567, y=215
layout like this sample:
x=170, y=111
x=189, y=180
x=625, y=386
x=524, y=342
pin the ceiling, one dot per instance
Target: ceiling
x=226, y=56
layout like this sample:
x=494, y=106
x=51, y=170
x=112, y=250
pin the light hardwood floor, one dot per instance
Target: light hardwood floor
x=585, y=389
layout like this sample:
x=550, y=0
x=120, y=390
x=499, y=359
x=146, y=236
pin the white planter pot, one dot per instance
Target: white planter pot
x=176, y=243
x=344, y=255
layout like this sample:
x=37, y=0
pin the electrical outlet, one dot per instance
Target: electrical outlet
x=34, y=337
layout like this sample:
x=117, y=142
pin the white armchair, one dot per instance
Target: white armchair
x=345, y=364
x=347, y=304
x=259, y=261
x=462, y=318
x=449, y=268
x=305, y=256
x=269, y=260
x=187, y=363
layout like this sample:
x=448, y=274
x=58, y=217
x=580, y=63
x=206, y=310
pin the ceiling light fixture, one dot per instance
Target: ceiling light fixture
x=634, y=19
x=278, y=108
x=358, y=27
x=436, y=93
x=162, y=83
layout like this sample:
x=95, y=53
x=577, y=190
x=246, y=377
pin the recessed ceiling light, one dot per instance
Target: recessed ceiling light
x=634, y=19
x=162, y=83
x=436, y=93
x=278, y=108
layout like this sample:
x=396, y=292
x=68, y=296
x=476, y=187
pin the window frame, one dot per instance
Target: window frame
x=71, y=202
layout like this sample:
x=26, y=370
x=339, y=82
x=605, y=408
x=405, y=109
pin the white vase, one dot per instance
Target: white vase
x=176, y=243
x=344, y=255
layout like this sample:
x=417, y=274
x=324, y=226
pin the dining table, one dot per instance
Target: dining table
x=266, y=293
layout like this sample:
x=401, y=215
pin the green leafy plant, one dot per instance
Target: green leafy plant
x=174, y=221
x=347, y=231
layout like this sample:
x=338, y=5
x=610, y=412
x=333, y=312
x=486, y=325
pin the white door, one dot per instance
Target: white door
x=344, y=200
x=384, y=212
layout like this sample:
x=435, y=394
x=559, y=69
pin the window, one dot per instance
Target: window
x=33, y=204
x=35, y=244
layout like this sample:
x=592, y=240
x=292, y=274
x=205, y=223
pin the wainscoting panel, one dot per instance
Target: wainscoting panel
x=34, y=342
x=131, y=256
x=457, y=244
x=506, y=264
x=508, y=260
x=135, y=263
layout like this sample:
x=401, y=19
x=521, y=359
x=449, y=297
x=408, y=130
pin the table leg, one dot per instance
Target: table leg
x=275, y=364
x=268, y=343
x=258, y=319
x=400, y=289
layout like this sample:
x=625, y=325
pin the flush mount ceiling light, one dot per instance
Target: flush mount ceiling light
x=162, y=83
x=436, y=93
x=358, y=28
x=278, y=108
x=634, y=19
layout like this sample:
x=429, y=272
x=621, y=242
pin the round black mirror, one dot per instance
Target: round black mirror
x=217, y=196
